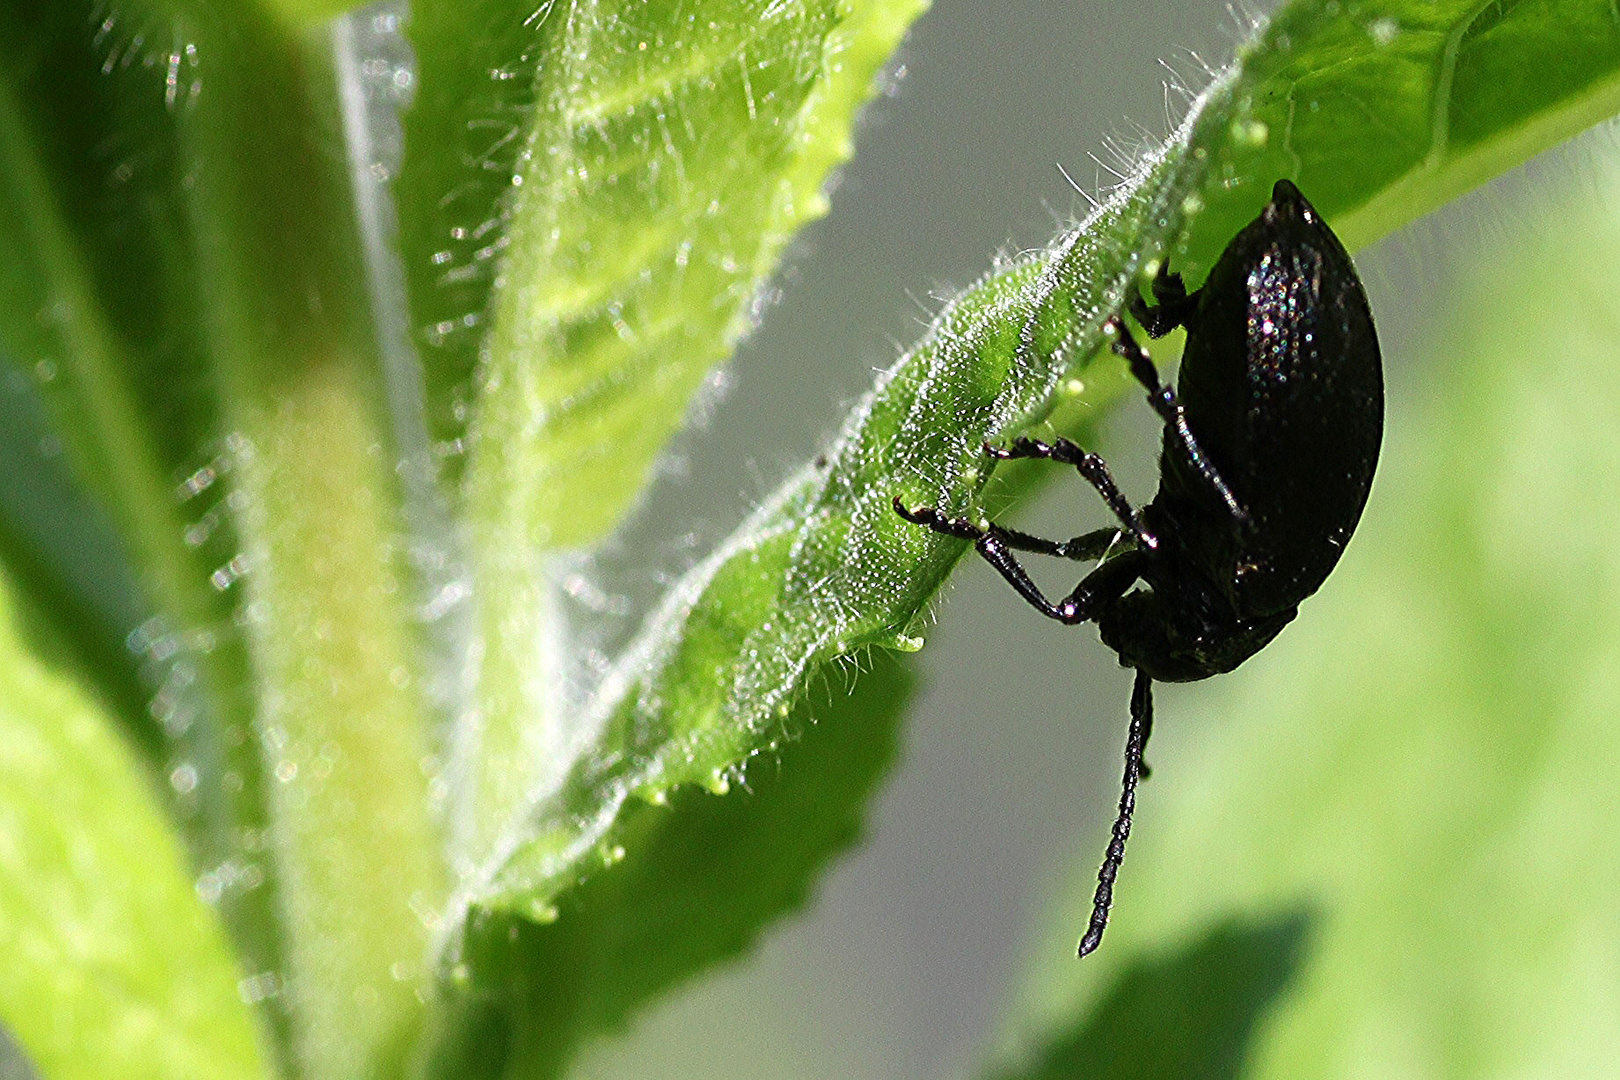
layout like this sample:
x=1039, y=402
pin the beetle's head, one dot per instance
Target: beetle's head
x=1159, y=638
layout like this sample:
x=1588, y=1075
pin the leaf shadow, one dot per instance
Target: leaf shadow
x=1190, y=1014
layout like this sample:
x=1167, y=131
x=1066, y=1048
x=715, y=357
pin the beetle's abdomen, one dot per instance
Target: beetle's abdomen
x=1282, y=385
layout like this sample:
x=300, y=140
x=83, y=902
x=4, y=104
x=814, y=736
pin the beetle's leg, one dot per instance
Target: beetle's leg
x=1090, y=466
x=1160, y=396
x=1083, y=548
x=930, y=518
x=1106, y=583
x=1163, y=400
x=1100, y=586
x=1174, y=308
x=1135, y=744
x=1103, y=585
x=1168, y=288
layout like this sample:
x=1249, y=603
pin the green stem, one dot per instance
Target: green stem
x=340, y=714
x=515, y=742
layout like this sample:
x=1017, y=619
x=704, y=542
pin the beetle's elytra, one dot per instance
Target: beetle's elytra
x=1268, y=455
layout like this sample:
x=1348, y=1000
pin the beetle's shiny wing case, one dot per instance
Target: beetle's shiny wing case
x=1282, y=383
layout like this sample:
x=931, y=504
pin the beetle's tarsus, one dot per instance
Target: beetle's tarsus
x=930, y=518
x=1174, y=306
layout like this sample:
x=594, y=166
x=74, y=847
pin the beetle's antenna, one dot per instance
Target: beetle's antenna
x=1135, y=744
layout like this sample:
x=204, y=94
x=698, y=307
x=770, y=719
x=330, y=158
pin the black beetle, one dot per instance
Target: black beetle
x=1268, y=456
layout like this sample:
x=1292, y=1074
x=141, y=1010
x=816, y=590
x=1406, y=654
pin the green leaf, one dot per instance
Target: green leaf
x=826, y=568
x=592, y=198
x=1383, y=111
x=694, y=880
x=263, y=20
x=1186, y=1014
x=626, y=176
x=76, y=592
x=113, y=967
x=1427, y=753
x=97, y=305
x=328, y=612
x=295, y=12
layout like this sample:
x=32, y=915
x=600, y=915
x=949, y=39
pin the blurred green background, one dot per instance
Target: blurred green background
x=1425, y=763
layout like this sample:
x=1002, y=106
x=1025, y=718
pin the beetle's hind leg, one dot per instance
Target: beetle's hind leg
x=1103, y=585
x=1163, y=400
x=1135, y=744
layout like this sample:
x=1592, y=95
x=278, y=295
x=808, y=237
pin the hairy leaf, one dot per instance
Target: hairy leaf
x=826, y=566
x=626, y=176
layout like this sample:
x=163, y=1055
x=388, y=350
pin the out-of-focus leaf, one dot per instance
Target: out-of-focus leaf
x=625, y=175
x=328, y=611
x=1429, y=752
x=592, y=198
x=190, y=298
x=76, y=604
x=113, y=967
x=305, y=12
x=99, y=317
x=692, y=882
x=103, y=321
x=1186, y=1014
